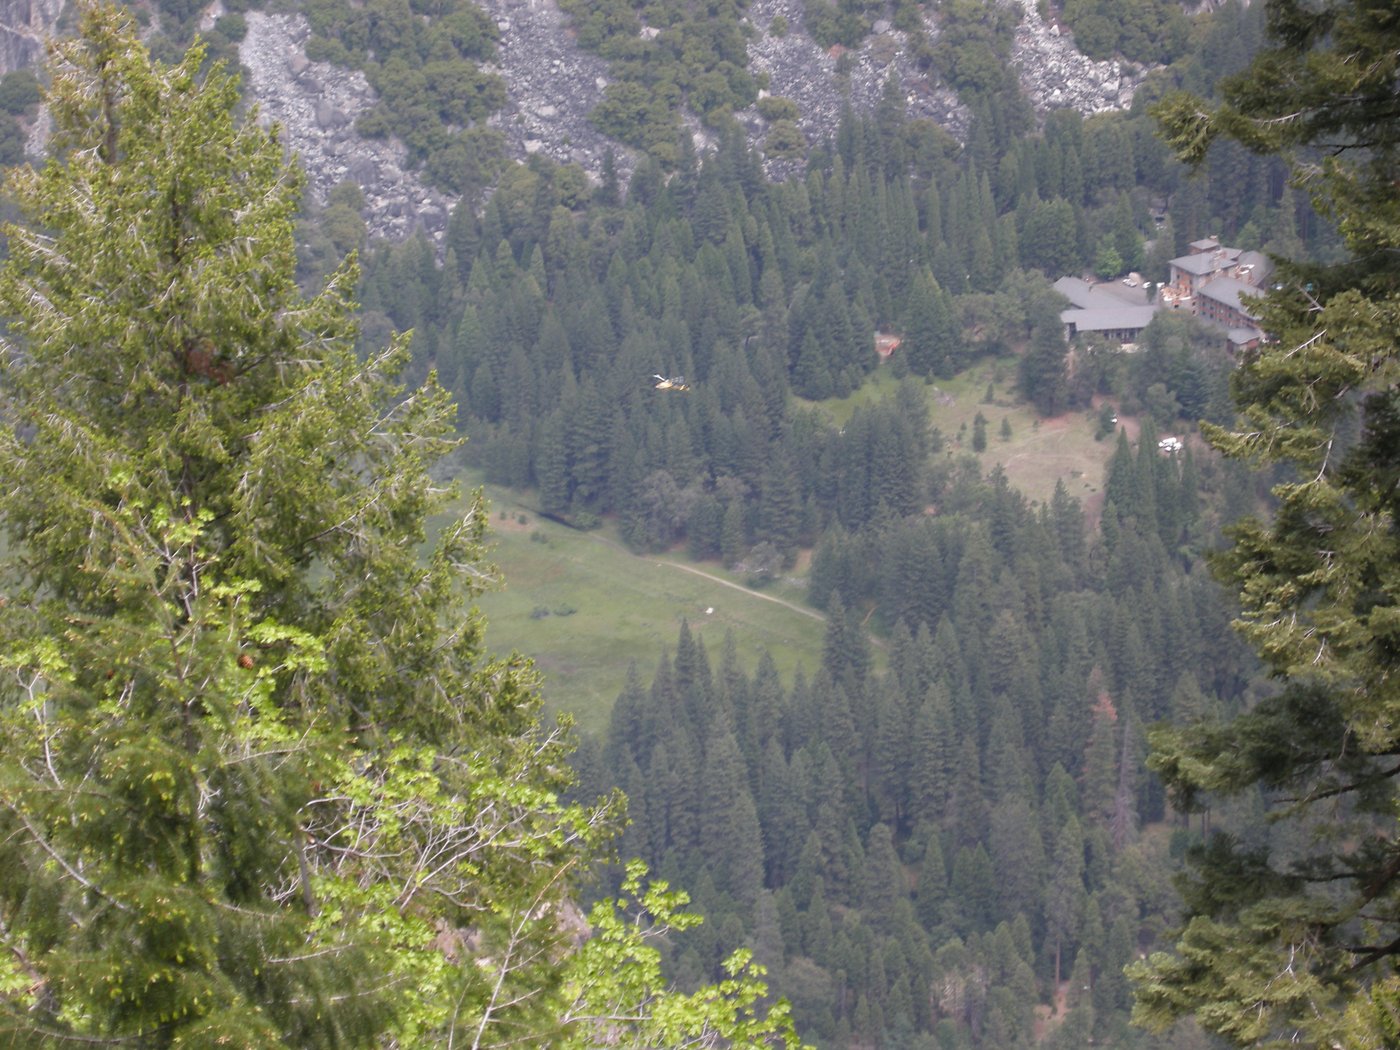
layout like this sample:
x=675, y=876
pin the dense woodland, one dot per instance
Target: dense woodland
x=555, y=306
x=949, y=852
x=966, y=847
x=922, y=857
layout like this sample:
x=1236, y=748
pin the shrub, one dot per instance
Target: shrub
x=19, y=92
x=777, y=107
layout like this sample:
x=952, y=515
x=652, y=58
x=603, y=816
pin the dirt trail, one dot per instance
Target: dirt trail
x=746, y=590
x=801, y=609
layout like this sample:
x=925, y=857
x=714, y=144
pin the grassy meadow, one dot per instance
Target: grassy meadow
x=1037, y=454
x=585, y=608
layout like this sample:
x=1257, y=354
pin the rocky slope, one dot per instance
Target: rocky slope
x=316, y=105
x=799, y=69
x=25, y=26
x=552, y=86
x=1056, y=76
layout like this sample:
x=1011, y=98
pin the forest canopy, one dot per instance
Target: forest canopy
x=233, y=686
x=260, y=783
x=1297, y=942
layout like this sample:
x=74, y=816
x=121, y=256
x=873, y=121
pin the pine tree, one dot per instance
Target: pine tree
x=845, y=650
x=886, y=897
x=1280, y=947
x=933, y=747
x=216, y=616
x=1126, y=240
x=259, y=784
x=979, y=433
x=1018, y=855
x=972, y=890
x=734, y=540
x=782, y=819
x=892, y=752
x=1099, y=779
x=930, y=333
x=730, y=842
x=1064, y=892
x=1042, y=371
x=779, y=510
x=1121, y=480
x=967, y=799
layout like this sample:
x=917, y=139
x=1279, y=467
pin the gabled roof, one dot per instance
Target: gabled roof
x=1255, y=268
x=1109, y=319
x=1077, y=290
x=1107, y=295
x=1207, y=262
x=1228, y=290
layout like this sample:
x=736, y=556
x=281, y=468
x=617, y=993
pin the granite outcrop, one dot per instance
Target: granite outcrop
x=552, y=85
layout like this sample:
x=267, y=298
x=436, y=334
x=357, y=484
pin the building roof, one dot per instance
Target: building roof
x=1109, y=319
x=1255, y=268
x=1227, y=290
x=1077, y=290
x=1106, y=295
x=1207, y=262
x=1205, y=244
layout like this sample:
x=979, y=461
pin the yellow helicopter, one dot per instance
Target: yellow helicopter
x=675, y=383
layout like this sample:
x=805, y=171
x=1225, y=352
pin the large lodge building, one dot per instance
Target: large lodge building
x=1208, y=282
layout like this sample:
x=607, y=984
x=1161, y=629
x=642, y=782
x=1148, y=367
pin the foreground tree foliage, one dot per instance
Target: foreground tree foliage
x=1298, y=943
x=259, y=783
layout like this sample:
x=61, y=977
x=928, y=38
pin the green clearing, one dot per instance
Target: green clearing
x=839, y=409
x=1039, y=451
x=585, y=608
x=625, y=608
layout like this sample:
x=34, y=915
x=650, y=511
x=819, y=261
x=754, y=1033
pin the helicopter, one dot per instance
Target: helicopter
x=674, y=383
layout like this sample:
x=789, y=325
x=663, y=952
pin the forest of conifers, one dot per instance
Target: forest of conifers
x=966, y=848
x=948, y=853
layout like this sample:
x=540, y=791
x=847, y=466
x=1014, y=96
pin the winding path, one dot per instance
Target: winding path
x=746, y=590
x=661, y=562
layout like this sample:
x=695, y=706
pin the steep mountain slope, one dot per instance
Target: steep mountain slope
x=24, y=26
x=552, y=85
x=317, y=104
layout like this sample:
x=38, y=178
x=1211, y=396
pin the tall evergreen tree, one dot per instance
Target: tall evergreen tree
x=779, y=510
x=886, y=897
x=930, y=333
x=1300, y=945
x=731, y=846
x=932, y=893
x=257, y=777
x=1042, y=370
x=845, y=651
x=1064, y=892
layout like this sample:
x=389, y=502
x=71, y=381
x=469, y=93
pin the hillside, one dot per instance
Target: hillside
x=552, y=85
x=865, y=576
